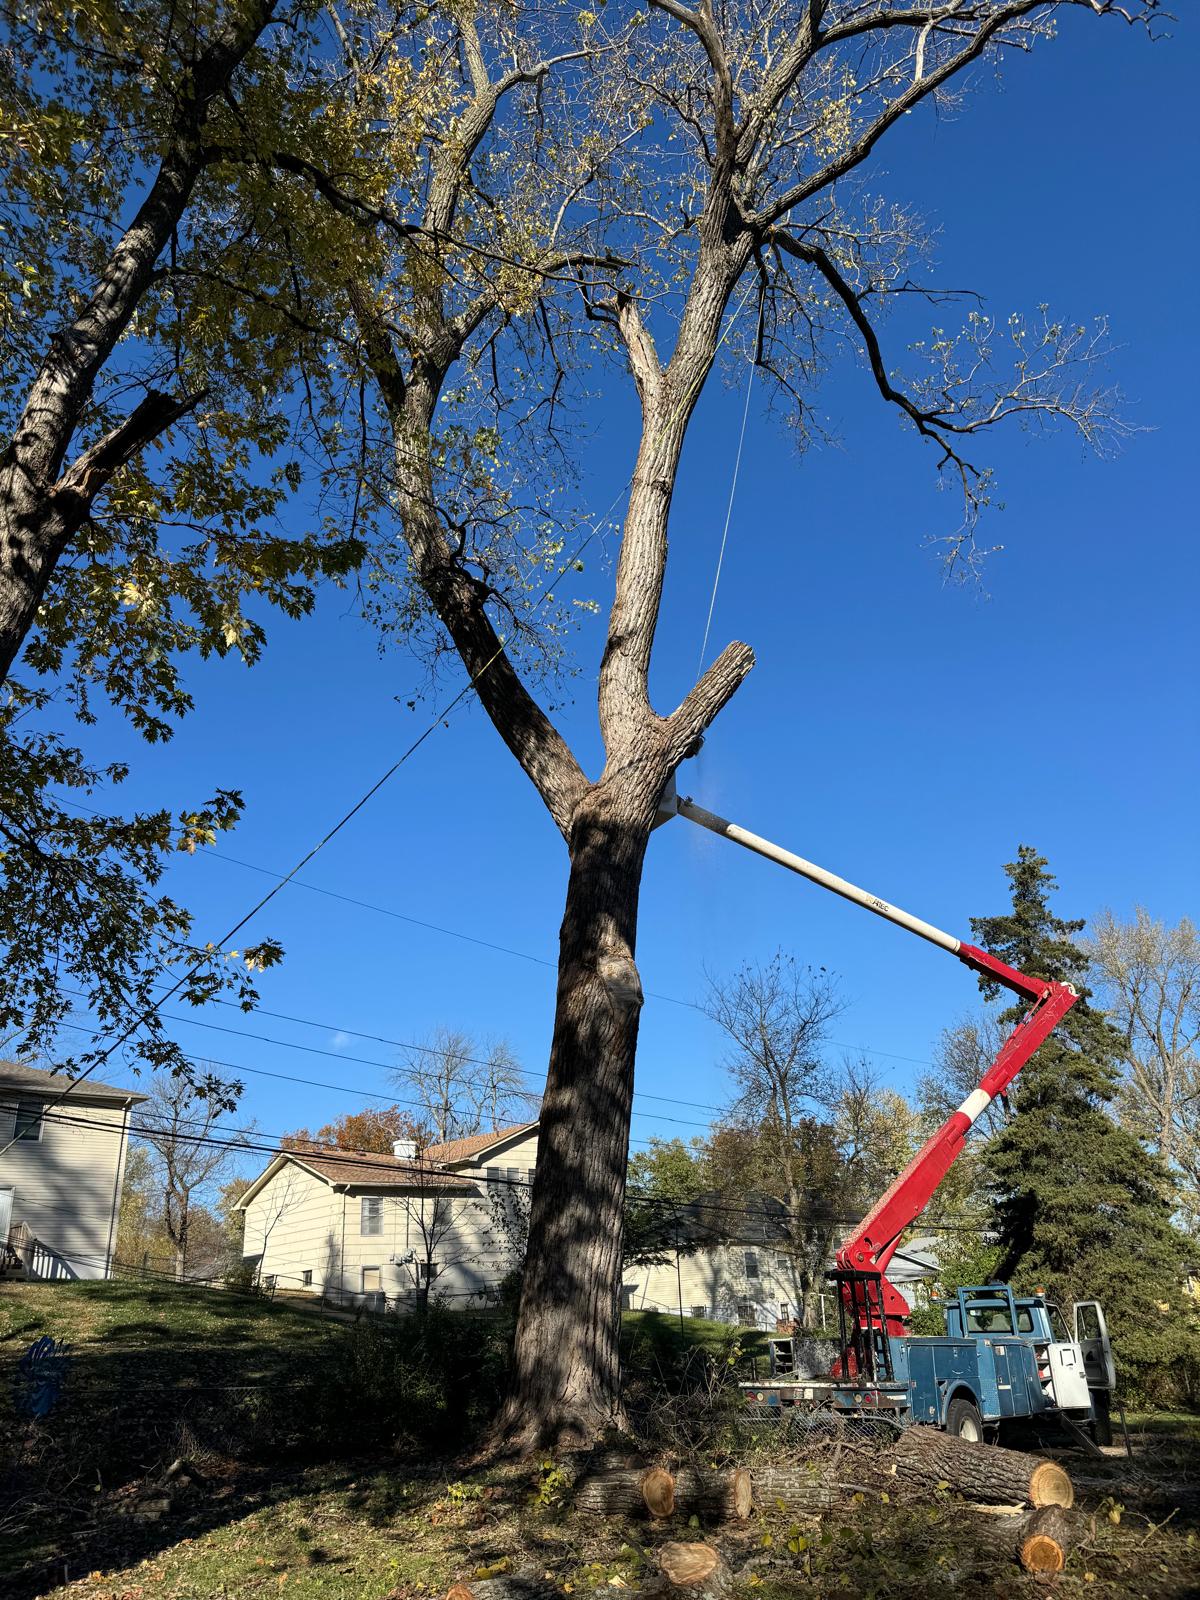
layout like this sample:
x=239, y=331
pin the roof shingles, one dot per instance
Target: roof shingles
x=455, y=1150
x=359, y=1171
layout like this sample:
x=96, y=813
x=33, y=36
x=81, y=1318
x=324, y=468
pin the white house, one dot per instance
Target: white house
x=61, y=1169
x=385, y=1230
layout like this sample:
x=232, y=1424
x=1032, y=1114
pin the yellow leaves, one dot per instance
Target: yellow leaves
x=494, y=1568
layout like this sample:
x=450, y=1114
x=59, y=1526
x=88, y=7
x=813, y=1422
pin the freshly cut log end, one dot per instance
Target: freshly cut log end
x=741, y=1494
x=1040, y=1541
x=1040, y=1554
x=658, y=1491
x=721, y=1495
x=1047, y=1539
x=1050, y=1485
x=695, y=1571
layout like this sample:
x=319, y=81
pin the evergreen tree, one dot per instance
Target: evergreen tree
x=1081, y=1205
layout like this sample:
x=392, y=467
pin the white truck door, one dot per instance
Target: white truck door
x=1091, y=1335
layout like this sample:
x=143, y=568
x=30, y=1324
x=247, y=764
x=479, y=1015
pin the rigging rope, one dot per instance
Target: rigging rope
x=737, y=463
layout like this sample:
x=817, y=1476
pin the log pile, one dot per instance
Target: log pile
x=1013, y=1505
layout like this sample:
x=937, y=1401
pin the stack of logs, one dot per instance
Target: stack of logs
x=1015, y=1505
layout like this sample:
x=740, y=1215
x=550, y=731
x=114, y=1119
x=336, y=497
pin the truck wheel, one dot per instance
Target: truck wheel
x=964, y=1422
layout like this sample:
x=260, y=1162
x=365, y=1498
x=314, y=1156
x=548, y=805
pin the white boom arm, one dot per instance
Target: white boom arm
x=672, y=804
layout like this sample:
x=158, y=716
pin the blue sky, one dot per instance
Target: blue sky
x=905, y=733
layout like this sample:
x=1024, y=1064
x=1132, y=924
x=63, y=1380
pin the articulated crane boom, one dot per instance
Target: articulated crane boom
x=863, y=1259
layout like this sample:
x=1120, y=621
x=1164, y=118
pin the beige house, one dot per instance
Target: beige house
x=61, y=1169
x=389, y=1230
x=386, y=1230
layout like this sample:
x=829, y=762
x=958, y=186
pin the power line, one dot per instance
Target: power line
x=468, y=938
x=400, y=1044
x=387, y=1164
x=356, y=1090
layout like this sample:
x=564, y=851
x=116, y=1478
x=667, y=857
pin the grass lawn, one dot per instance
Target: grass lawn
x=156, y=1367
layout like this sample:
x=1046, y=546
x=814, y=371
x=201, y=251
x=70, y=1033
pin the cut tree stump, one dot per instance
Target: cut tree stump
x=637, y=1491
x=929, y=1459
x=694, y=1571
x=507, y=1588
x=1040, y=1540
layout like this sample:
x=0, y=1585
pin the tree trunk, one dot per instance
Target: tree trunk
x=933, y=1460
x=565, y=1385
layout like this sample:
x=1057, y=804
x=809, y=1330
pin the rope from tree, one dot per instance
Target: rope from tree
x=737, y=463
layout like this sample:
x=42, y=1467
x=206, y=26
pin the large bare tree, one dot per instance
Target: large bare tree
x=1148, y=976
x=638, y=183
x=776, y=1016
x=192, y=1153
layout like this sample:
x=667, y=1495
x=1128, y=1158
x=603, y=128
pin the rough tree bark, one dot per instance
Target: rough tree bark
x=983, y=1472
x=42, y=503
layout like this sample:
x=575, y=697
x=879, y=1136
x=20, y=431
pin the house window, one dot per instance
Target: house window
x=785, y=1311
x=747, y=1313
x=372, y=1280
x=514, y=1175
x=371, y=1218
x=28, y=1123
x=751, y=1257
x=495, y=1175
x=306, y=1277
x=699, y=1311
x=269, y=1283
x=427, y=1271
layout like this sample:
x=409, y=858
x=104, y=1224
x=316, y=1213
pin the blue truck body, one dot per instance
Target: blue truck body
x=1001, y=1357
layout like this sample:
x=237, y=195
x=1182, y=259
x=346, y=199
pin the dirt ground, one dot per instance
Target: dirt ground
x=370, y=1533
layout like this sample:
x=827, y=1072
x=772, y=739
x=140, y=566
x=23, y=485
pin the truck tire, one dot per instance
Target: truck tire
x=963, y=1420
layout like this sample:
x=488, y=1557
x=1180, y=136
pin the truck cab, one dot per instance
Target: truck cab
x=1024, y=1361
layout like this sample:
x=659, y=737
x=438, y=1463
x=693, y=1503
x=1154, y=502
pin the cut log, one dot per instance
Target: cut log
x=1040, y=1541
x=793, y=1488
x=507, y=1588
x=655, y=1491
x=694, y=1571
x=930, y=1459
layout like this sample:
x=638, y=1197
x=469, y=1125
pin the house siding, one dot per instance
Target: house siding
x=298, y=1222
x=293, y=1226
x=67, y=1185
x=716, y=1279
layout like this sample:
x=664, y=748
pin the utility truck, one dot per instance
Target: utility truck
x=1002, y=1357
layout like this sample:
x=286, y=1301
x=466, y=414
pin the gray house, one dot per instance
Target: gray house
x=61, y=1168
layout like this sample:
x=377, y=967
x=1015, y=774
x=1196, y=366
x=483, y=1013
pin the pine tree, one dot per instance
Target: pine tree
x=1081, y=1205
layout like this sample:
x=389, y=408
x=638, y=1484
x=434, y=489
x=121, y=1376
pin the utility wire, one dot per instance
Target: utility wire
x=433, y=1170
x=366, y=1061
